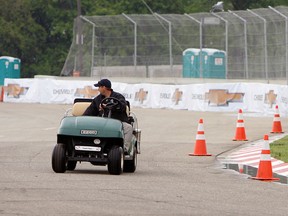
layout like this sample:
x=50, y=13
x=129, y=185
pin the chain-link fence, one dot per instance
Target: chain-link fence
x=254, y=43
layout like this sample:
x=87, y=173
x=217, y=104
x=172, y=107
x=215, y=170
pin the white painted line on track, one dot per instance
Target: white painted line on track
x=51, y=128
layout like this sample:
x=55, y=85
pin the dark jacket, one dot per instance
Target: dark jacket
x=120, y=114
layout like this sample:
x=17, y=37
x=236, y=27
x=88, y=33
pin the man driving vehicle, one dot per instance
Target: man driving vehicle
x=95, y=109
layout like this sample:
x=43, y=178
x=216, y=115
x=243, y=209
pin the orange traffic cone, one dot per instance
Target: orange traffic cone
x=240, y=134
x=277, y=127
x=264, y=172
x=200, y=146
x=2, y=94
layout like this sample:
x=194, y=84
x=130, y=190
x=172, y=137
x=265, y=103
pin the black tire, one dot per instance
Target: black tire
x=71, y=165
x=130, y=165
x=115, y=160
x=59, y=158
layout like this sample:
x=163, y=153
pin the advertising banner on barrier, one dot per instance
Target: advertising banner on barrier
x=21, y=91
x=216, y=97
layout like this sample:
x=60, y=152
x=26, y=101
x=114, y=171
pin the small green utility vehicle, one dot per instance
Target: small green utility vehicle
x=98, y=140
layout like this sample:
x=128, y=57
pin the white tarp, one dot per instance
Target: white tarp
x=216, y=97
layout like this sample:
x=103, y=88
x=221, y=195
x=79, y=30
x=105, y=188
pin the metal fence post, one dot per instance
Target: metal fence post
x=286, y=39
x=226, y=39
x=170, y=41
x=265, y=43
x=200, y=40
x=245, y=42
x=135, y=41
x=93, y=44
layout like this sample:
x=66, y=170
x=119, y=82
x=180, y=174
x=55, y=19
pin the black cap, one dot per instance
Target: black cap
x=103, y=82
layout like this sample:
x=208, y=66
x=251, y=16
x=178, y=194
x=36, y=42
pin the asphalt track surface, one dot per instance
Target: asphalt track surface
x=167, y=181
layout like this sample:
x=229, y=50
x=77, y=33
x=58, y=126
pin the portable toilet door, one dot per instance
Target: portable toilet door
x=9, y=68
x=205, y=63
x=4, y=69
x=218, y=64
x=15, y=72
x=213, y=63
x=191, y=62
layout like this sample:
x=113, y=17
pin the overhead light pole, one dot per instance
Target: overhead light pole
x=79, y=41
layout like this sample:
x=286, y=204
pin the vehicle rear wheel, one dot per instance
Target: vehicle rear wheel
x=115, y=160
x=59, y=158
x=71, y=165
x=130, y=165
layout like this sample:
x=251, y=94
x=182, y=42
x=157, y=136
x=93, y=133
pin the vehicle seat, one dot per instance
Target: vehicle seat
x=79, y=108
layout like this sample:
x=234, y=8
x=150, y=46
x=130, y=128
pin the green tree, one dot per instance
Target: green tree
x=40, y=32
x=56, y=17
x=22, y=37
x=253, y=4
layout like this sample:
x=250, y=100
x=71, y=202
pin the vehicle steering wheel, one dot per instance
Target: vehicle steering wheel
x=110, y=103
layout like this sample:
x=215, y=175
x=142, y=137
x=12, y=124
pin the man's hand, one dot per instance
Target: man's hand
x=101, y=108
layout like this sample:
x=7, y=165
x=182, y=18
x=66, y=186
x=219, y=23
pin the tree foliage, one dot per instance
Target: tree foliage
x=39, y=32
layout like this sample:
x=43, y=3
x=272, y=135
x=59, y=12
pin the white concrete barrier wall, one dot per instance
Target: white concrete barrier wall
x=217, y=97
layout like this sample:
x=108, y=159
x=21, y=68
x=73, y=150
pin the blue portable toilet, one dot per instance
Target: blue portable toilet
x=213, y=63
x=190, y=63
x=9, y=68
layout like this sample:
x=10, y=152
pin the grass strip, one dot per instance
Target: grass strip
x=279, y=149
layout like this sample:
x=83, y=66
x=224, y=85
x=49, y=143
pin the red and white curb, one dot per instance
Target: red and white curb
x=250, y=156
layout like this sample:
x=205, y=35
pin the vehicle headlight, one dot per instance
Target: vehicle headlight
x=97, y=141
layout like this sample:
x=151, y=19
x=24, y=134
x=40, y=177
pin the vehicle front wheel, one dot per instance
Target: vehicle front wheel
x=59, y=158
x=115, y=160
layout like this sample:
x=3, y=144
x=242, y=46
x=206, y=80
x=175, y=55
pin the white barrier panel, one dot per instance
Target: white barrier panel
x=216, y=97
